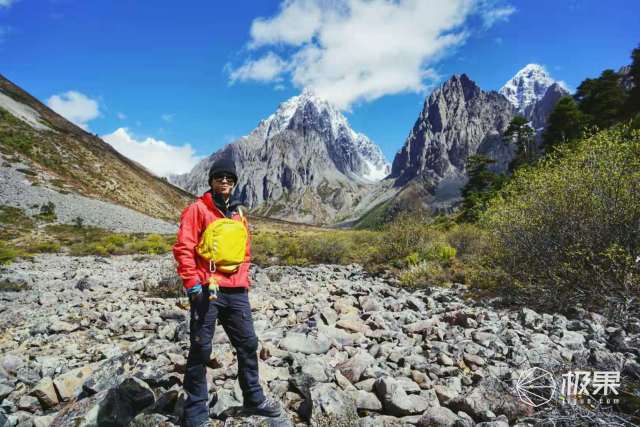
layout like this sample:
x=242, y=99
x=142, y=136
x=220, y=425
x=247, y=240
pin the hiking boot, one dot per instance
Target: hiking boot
x=206, y=423
x=268, y=408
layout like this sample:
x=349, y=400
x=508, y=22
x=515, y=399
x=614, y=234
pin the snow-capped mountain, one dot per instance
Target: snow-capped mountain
x=302, y=163
x=334, y=125
x=527, y=87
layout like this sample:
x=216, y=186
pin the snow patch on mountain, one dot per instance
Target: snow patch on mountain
x=338, y=129
x=527, y=87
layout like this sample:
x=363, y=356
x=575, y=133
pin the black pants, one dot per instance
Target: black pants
x=233, y=309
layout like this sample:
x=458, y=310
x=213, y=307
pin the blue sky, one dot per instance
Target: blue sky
x=172, y=83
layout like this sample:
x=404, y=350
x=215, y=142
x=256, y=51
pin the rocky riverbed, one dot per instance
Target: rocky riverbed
x=83, y=344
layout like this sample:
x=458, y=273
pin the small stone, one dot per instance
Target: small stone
x=4, y=391
x=307, y=344
x=396, y=401
x=484, y=338
x=46, y=393
x=572, y=340
x=473, y=359
x=365, y=400
x=353, y=324
x=366, y=385
x=421, y=379
x=178, y=360
x=60, y=326
x=331, y=406
x=445, y=360
x=11, y=363
x=28, y=403
x=69, y=384
x=438, y=416
x=353, y=368
x=42, y=421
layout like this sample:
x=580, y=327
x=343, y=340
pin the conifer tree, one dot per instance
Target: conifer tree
x=522, y=135
x=565, y=123
x=632, y=107
x=602, y=99
x=481, y=187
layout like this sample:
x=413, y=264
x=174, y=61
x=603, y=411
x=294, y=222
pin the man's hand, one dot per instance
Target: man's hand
x=195, y=295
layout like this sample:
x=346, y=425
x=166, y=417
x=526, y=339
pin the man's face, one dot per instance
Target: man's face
x=223, y=184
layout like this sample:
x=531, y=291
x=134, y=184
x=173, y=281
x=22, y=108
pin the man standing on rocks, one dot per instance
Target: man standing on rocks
x=230, y=305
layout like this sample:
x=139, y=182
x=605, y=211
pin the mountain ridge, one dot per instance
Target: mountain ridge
x=65, y=158
x=304, y=162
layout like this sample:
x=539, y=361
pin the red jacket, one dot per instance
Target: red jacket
x=194, y=269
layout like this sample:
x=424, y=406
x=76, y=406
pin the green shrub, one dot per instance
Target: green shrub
x=152, y=244
x=568, y=231
x=470, y=241
x=441, y=252
x=405, y=235
x=9, y=286
x=423, y=274
x=78, y=222
x=8, y=253
x=18, y=141
x=45, y=247
x=14, y=222
x=47, y=212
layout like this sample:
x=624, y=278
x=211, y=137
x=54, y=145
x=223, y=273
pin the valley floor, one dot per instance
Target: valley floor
x=81, y=334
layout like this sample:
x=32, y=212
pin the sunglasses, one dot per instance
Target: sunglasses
x=221, y=178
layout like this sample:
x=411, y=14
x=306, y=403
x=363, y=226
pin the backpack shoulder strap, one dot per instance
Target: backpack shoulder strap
x=241, y=212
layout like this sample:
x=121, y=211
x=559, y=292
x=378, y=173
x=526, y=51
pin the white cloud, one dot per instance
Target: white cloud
x=352, y=50
x=76, y=107
x=159, y=157
x=296, y=23
x=268, y=68
x=6, y=3
x=168, y=117
x=491, y=16
x=121, y=116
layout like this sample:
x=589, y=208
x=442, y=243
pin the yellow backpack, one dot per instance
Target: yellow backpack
x=223, y=243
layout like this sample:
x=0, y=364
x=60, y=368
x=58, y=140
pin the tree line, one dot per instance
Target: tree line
x=598, y=103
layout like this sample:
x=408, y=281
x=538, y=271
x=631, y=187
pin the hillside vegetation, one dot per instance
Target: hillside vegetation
x=567, y=232
x=69, y=159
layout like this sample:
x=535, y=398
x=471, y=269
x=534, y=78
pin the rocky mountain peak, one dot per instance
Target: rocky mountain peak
x=458, y=119
x=527, y=87
x=304, y=162
x=308, y=111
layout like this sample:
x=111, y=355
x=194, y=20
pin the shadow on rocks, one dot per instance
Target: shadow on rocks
x=236, y=416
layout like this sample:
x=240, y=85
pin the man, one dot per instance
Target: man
x=231, y=306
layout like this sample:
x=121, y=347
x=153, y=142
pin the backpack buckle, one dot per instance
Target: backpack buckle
x=212, y=266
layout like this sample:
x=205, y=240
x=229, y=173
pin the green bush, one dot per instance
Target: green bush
x=14, y=222
x=45, y=247
x=9, y=286
x=405, y=235
x=568, y=231
x=47, y=212
x=470, y=241
x=152, y=244
x=8, y=253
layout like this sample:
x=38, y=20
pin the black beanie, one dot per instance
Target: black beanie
x=223, y=165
